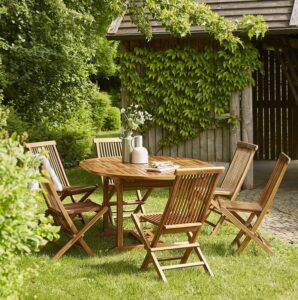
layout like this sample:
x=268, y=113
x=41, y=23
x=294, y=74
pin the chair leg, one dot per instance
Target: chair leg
x=146, y=261
x=218, y=225
x=241, y=232
x=69, y=244
x=140, y=207
x=157, y=267
x=250, y=234
x=202, y=258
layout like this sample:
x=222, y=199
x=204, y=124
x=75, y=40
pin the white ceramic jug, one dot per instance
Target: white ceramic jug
x=139, y=153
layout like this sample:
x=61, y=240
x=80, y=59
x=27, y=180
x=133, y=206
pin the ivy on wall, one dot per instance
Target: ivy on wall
x=187, y=91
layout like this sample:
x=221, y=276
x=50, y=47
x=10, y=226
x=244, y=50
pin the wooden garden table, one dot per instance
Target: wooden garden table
x=132, y=176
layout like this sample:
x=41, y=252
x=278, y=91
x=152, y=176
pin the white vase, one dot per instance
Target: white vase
x=139, y=153
x=127, y=147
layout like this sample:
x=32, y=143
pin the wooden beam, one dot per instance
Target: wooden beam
x=235, y=134
x=115, y=25
x=294, y=16
x=247, y=128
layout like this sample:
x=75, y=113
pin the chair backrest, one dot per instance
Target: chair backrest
x=108, y=147
x=54, y=203
x=53, y=157
x=239, y=167
x=274, y=181
x=190, y=195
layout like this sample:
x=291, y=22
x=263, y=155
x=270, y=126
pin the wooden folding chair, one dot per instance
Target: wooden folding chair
x=255, y=211
x=55, y=161
x=64, y=214
x=109, y=147
x=185, y=212
x=233, y=180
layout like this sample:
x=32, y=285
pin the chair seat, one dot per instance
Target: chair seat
x=77, y=189
x=240, y=206
x=81, y=207
x=152, y=218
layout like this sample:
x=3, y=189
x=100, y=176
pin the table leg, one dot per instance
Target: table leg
x=119, y=190
x=106, y=203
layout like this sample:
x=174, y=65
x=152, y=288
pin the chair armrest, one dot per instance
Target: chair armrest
x=223, y=192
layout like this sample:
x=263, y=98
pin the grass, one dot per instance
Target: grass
x=116, y=275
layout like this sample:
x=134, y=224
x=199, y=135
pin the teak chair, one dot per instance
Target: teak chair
x=233, y=180
x=64, y=214
x=256, y=210
x=185, y=212
x=55, y=161
x=109, y=147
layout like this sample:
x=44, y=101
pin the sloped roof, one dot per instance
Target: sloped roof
x=281, y=16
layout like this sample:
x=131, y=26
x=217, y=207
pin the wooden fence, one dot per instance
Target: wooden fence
x=275, y=113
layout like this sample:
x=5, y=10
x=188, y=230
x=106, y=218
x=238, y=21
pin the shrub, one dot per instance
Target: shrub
x=99, y=102
x=112, y=120
x=73, y=137
x=15, y=123
x=23, y=231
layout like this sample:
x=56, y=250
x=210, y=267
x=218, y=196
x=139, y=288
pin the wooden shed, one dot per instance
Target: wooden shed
x=268, y=111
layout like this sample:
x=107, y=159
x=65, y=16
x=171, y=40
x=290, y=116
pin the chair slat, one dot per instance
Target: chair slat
x=54, y=158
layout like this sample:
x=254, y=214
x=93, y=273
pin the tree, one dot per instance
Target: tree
x=50, y=49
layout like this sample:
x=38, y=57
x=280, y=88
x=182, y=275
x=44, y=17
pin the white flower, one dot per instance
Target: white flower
x=122, y=110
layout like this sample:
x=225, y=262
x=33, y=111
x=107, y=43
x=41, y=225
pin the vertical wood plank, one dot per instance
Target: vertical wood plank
x=266, y=109
x=272, y=106
x=284, y=123
x=226, y=145
x=203, y=146
x=255, y=109
x=219, y=144
x=196, y=147
x=278, y=103
x=247, y=128
x=210, y=145
x=260, y=105
x=181, y=149
x=188, y=149
x=151, y=140
x=235, y=134
x=158, y=137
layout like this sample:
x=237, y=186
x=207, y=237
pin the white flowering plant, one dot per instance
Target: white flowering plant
x=133, y=118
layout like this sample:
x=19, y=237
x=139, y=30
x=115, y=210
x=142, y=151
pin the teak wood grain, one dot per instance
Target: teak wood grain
x=113, y=167
x=132, y=175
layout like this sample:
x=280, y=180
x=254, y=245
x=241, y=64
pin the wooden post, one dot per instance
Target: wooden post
x=247, y=128
x=235, y=133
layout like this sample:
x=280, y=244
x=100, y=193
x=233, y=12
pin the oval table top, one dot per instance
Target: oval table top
x=113, y=167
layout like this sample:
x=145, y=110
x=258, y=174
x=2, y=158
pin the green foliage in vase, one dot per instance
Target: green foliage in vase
x=187, y=91
x=22, y=229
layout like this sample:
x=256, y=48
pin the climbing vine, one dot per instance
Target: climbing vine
x=184, y=90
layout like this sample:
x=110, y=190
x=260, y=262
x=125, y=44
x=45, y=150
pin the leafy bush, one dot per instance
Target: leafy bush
x=112, y=120
x=23, y=231
x=99, y=102
x=15, y=123
x=73, y=136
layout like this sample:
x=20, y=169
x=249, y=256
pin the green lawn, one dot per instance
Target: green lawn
x=116, y=275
